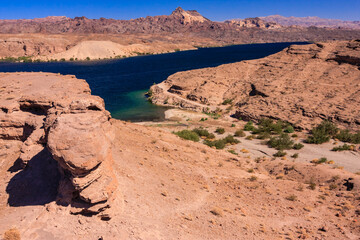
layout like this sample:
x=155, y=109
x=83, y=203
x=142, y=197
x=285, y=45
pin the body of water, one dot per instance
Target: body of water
x=122, y=83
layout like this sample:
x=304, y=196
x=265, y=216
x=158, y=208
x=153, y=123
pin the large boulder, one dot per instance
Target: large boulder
x=43, y=110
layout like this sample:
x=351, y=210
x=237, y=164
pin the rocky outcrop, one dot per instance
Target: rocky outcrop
x=254, y=23
x=303, y=85
x=55, y=112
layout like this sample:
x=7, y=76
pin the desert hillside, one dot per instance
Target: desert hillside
x=69, y=171
x=303, y=85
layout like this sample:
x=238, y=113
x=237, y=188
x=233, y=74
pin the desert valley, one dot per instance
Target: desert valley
x=265, y=147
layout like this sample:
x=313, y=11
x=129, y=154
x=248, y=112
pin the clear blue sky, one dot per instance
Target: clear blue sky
x=216, y=10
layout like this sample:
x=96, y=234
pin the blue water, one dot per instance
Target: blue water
x=123, y=82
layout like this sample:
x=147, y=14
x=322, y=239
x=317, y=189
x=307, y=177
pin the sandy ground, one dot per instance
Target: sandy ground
x=108, y=49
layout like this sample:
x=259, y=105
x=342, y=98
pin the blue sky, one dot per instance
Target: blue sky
x=216, y=10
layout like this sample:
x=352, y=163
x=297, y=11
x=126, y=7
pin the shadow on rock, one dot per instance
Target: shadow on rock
x=37, y=184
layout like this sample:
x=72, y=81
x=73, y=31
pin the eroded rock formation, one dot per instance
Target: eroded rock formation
x=303, y=84
x=44, y=110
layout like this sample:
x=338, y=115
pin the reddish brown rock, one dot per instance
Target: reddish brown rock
x=43, y=111
x=303, y=85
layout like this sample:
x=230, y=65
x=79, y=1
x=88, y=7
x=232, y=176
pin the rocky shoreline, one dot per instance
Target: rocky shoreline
x=302, y=85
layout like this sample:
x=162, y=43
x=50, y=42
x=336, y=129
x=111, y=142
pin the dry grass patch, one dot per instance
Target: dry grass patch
x=217, y=211
x=12, y=234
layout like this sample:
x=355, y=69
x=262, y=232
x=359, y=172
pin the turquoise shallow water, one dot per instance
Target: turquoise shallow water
x=123, y=82
x=141, y=108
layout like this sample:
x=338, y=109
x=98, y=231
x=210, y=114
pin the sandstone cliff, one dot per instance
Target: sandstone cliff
x=303, y=84
x=49, y=112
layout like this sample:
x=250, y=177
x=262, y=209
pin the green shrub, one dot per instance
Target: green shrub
x=322, y=160
x=231, y=140
x=289, y=129
x=220, y=130
x=295, y=155
x=346, y=136
x=218, y=144
x=294, y=135
x=298, y=146
x=279, y=154
x=232, y=125
x=322, y=133
x=249, y=126
x=267, y=125
x=233, y=152
x=240, y=133
x=344, y=147
x=281, y=142
x=188, y=135
x=263, y=135
x=201, y=132
x=227, y=101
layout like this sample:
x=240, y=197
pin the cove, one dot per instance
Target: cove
x=122, y=83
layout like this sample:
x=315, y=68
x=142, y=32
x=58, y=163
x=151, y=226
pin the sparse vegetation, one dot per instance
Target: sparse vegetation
x=218, y=144
x=320, y=161
x=203, y=133
x=231, y=140
x=253, y=178
x=322, y=133
x=239, y=133
x=346, y=136
x=289, y=129
x=221, y=143
x=279, y=153
x=227, y=101
x=249, y=126
x=312, y=184
x=188, y=135
x=233, y=152
x=296, y=155
x=12, y=234
x=344, y=147
x=281, y=142
x=267, y=125
x=220, y=130
x=298, y=146
x=217, y=211
x=291, y=198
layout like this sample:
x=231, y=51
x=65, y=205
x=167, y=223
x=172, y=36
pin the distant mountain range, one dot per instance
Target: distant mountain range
x=52, y=35
x=312, y=21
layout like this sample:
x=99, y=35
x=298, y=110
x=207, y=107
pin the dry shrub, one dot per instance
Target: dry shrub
x=12, y=234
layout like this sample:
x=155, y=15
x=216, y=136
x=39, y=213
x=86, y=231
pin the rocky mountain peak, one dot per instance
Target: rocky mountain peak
x=189, y=16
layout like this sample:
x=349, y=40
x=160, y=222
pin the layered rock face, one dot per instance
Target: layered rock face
x=254, y=23
x=44, y=110
x=303, y=85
